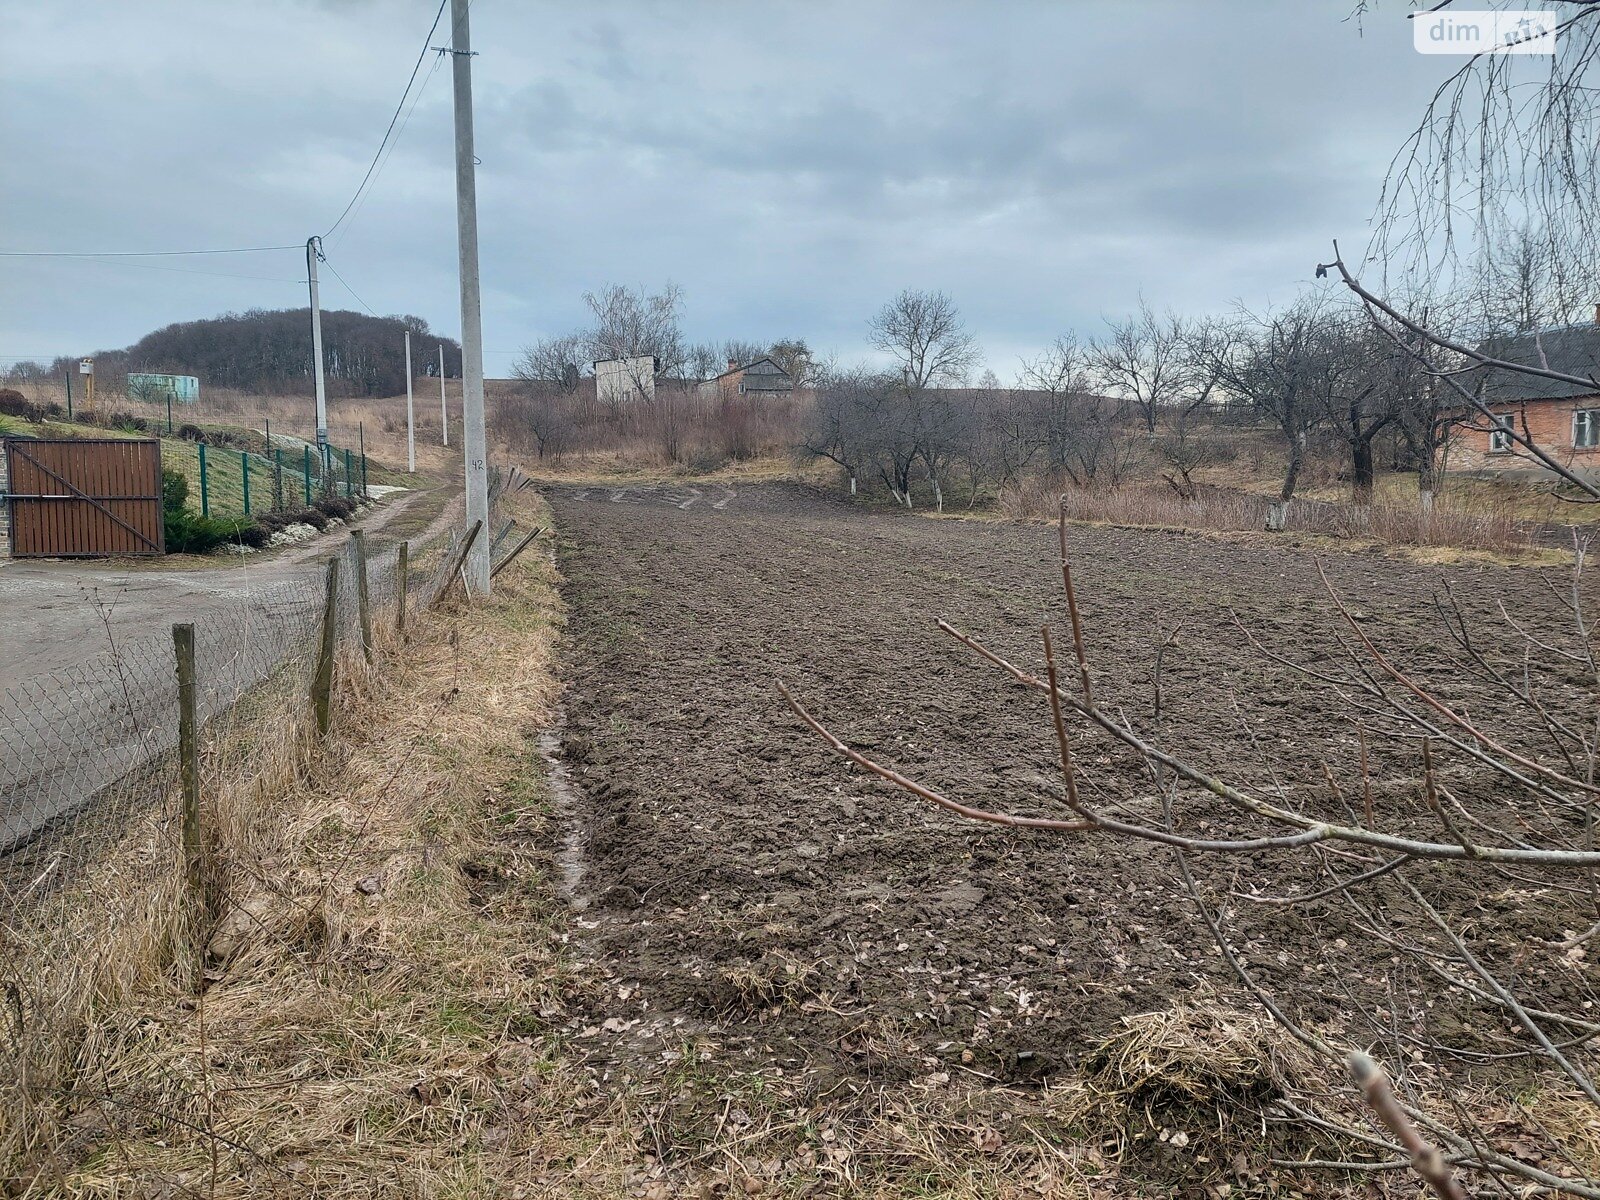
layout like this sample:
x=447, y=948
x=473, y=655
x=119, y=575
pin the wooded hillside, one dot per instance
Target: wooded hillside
x=269, y=351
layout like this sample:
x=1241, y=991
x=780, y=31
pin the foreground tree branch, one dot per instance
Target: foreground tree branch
x=1552, y=836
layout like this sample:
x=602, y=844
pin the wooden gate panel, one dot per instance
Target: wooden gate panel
x=81, y=498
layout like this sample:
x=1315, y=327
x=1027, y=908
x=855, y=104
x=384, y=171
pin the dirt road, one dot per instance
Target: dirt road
x=747, y=884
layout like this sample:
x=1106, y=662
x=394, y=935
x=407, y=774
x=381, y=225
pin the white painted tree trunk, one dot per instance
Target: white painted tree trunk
x=1277, y=516
x=852, y=485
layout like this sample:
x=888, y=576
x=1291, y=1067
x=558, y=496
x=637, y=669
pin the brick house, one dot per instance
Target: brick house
x=1563, y=419
x=760, y=378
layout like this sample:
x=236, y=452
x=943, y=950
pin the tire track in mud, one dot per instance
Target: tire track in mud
x=742, y=880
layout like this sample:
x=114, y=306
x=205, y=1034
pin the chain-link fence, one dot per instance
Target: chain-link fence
x=130, y=835
x=85, y=752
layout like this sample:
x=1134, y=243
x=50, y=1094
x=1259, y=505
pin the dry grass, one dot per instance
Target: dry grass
x=1450, y=534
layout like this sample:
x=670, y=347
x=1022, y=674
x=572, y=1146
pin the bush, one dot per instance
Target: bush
x=245, y=531
x=334, y=506
x=190, y=533
x=191, y=433
x=15, y=404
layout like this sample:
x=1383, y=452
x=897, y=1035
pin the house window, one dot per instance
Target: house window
x=1500, y=436
x=1586, y=428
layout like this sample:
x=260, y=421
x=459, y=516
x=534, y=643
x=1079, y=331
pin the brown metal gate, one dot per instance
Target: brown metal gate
x=84, y=498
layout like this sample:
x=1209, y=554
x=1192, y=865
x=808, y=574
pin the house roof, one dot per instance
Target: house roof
x=1571, y=349
x=747, y=366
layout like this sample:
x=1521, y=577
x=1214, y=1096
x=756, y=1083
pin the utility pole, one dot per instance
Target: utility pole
x=313, y=253
x=411, y=437
x=444, y=409
x=474, y=436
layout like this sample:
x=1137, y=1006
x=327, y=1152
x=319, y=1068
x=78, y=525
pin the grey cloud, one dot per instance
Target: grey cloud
x=789, y=164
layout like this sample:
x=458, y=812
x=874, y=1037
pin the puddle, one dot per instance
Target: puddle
x=570, y=860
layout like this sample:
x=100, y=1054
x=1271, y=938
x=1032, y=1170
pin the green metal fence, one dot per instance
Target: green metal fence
x=240, y=482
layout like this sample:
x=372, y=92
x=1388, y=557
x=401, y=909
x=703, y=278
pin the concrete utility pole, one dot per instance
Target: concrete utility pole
x=444, y=409
x=473, y=434
x=411, y=437
x=313, y=253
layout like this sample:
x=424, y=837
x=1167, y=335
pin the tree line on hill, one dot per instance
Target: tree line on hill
x=268, y=351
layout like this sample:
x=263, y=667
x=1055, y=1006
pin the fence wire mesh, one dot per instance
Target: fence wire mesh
x=88, y=753
x=111, y=881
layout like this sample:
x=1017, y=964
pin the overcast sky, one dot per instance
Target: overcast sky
x=789, y=165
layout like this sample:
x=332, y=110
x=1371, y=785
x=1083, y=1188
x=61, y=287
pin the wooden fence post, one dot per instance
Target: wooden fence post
x=402, y=573
x=322, y=682
x=196, y=872
x=363, y=606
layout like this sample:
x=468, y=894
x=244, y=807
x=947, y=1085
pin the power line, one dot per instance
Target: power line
x=346, y=286
x=108, y=262
x=372, y=166
x=135, y=253
x=417, y=99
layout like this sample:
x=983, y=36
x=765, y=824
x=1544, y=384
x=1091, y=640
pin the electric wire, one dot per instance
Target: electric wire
x=398, y=108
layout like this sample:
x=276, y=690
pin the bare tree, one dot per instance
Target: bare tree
x=1495, y=195
x=1059, y=378
x=632, y=324
x=843, y=425
x=1142, y=360
x=557, y=361
x=1007, y=436
x=538, y=414
x=925, y=334
x=1275, y=362
x=741, y=353
x=1357, y=389
x=796, y=359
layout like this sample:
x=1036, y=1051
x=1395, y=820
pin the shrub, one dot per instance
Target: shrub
x=15, y=404
x=191, y=433
x=245, y=531
x=334, y=506
x=190, y=533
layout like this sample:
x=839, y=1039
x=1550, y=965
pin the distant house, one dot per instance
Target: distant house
x=760, y=378
x=185, y=389
x=1563, y=419
x=625, y=380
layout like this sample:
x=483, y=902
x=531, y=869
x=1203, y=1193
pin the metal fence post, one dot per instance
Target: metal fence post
x=244, y=473
x=205, y=493
x=306, y=476
x=196, y=871
x=347, y=488
x=363, y=606
x=402, y=574
x=277, y=479
x=322, y=682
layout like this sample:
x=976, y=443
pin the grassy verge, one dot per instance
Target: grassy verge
x=386, y=949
